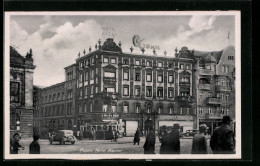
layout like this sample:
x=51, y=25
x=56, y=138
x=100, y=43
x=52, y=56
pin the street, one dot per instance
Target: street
x=122, y=146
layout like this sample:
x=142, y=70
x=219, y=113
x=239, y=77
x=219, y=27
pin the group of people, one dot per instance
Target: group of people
x=15, y=146
x=222, y=140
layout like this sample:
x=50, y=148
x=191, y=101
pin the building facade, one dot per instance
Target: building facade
x=215, y=84
x=135, y=90
x=21, y=93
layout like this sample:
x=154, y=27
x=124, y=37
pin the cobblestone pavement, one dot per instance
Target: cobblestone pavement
x=122, y=146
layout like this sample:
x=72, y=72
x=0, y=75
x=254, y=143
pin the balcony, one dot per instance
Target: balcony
x=206, y=72
x=223, y=88
x=213, y=101
x=184, y=98
x=213, y=116
x=109, y=80
x=109, y=95
x=186, y=84
x=204, y=86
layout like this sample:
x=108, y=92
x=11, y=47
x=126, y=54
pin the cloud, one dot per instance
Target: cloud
x=52, y=54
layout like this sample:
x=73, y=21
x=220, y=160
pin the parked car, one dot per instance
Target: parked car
x=63, y=136
x=190, y=133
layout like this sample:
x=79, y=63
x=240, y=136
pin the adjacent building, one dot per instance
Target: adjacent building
x=21, y=93
x=215, y=86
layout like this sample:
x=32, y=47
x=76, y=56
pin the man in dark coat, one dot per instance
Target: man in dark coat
x=14, y=144
x=199, y=143
x=222, y=140
x=149, y=145
x=35, y=146
x=173, y=140
x=164, y=143
x=137, y=137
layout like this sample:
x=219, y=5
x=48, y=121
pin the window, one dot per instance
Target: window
x=137, y=108
x=92, y=90
x=181, y=110
x=187, y=67
x=181, y=66
x=209, y=110
x=159, y=64
x=218, y=110
x=223, y=69
x=14, y=92
x=171, y=110
x=208, y=67
x=137, y=91
x=126, y=74
x=69, y=108
x=222, y=82
x=209, y=94
x=137, y=62
x=148, y=63
x=227, y=111
x=126, y=90
x=105, y=107
x=149, y=109
x=96, y=71
x=159, y=92
x=90, y=107
x=113, y=60
x=80, y=93
x=113, y=107
x=109, y=74
x=231, y=57
x=227, y=97
x=80, y=109
x=170, y=92
x=160, y=78
x=188, y=111
x=226, y=69
x=160, y=109
x=149, y=77
x=92, y=74
x=222, y=110
x=137, y=76
x=148, y=91
x=92, y=60
x=125, y=61
x=200, y=110
x=171, y=65
x=125, y=108
x=170, y=79
x=110, y=90
x=96, y=90
x=222, y=96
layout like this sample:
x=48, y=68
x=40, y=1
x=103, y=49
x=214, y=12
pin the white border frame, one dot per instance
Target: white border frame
x=6, y=142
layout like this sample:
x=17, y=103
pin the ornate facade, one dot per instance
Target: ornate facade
x=21, y=93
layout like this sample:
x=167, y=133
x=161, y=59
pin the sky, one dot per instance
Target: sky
x=56, y=40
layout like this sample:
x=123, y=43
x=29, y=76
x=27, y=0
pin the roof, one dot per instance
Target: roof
x=215, y=54
x=209, y=58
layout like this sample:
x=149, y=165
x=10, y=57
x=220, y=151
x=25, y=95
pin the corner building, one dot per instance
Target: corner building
x=215, y=77
x=135, y=90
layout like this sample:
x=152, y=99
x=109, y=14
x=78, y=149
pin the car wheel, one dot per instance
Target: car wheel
x=62, y=142
x=73, y=142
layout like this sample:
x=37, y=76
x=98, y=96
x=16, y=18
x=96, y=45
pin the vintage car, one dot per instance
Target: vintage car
x=190, y=133
x=63, y=136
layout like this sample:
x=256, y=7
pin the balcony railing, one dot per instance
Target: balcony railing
x=213, y=116
x=184, y=98
x=204, y=86
x=213, y=101
x=109, y=79
x=205, y=72
x=222, y=88
x=109, y=95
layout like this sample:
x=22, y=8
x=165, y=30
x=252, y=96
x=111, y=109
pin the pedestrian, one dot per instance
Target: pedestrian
x=137, y=137
x=164, y=146
x=93, y=133
x=14, y=144
x=114, y=135
x=173, y=140
x=199, y=142
x=35, y=146
x=222, y=140
x=149, y=145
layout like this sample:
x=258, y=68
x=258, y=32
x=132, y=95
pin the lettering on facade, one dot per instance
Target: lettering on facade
x=178, y=117
x=137, y=42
